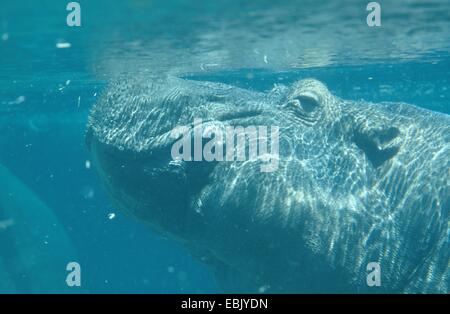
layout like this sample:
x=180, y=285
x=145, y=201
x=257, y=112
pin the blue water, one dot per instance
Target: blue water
x=46, y=93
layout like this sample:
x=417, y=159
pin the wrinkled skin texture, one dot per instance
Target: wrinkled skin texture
x=357, y=183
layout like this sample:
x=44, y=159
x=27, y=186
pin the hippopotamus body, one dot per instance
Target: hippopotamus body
x=355, y=183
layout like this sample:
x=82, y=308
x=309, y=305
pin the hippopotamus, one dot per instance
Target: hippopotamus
x=356, y=183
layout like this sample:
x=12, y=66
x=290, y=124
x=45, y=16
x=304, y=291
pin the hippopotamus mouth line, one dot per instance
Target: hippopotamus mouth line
x=240, y=115
x=227, y=117
x=164, y=139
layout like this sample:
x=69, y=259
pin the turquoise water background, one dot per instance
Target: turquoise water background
x=46, y=93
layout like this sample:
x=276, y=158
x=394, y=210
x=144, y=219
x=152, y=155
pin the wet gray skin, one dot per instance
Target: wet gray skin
x=356, y=183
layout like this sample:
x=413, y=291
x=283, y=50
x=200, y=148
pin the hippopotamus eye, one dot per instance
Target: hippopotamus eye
x=304, y=103
x=307, y=102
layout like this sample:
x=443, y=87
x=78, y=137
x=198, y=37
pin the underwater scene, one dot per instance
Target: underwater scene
x=241, y=146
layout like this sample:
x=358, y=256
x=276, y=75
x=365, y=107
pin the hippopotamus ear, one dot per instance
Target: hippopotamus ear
x=379, y=144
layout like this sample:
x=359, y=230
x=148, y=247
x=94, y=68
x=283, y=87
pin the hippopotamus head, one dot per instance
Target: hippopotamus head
x=131, y=130
x=321, y=210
